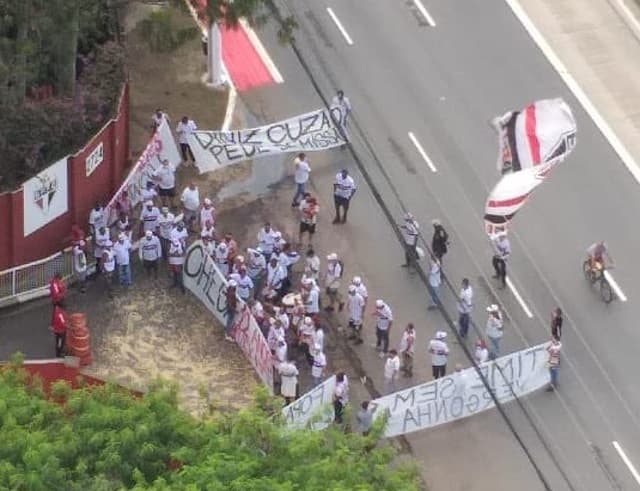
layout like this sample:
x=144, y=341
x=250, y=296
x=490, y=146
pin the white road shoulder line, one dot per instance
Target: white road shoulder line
x=614, y=286
x=421, y=151
x=344, y=32
x=626, y=461
x=603, y=126
x=519, y=298
x=424, y=13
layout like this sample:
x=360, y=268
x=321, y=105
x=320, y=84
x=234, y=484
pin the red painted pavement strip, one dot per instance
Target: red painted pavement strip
x=244, y=64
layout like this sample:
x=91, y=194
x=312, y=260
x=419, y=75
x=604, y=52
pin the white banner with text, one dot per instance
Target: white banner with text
x=202, y=277
x=317, y=403
x=313, y=131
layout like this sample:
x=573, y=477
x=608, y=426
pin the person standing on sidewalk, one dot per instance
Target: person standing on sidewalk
x=344, y=187
x=355, y=308
x=57, y=289
x=245, y=283
x=149, y=218
x=439, y=355
x=100, y=239
x=122, y=251
x=465, y=306
x=256, y=269
x=332, y=282
x=384, y=321
x=439, y=241
x=311, y=298
x=207, y=213
x=494, y=331
x=176, y=262
x=361, y=289
x=59, y=328
x=318, y=365
x=410, y=231
x=502, y=251
x=407, y=349
x=231, y=309
x=340, y=397
x=80, y=265
x=301, y=178
x=150, y=253
x=309, y=210
x=556, y=323
x=166, y=178
x=433, y=285
x=312, y=265
x=391, y=369
x=190, y=199
x=289, y=385
x=165, y=225
x=267, y=239
x=184, y=129
x=345, y=105
x=553, y=363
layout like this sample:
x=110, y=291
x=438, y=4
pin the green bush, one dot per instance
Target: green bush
x=162, y=34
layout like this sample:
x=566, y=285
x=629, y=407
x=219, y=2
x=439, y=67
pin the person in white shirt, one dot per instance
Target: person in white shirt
x=407, y=349
x=312, y=265
x=150, y=252
x=176, y=262
x=433, y=285
x=149, y=218
x=481, y=354
x=311, y=297
x=343, y=102
x=439, y=355
x=318, y=367
x=494, y=331
x=465, y=306
x=276, y=275
x=166, y=177
x=165, y=225
x=461, y=381
x=332, y=282
x=340, y=397
x=318, y=337
x=245, y=284
x=289, y=381
x=301, y=177
x=391, y=369
x=208, y=232
x=80, y=265
x=157, y=118
x=108, y=266
x=502, y=251
x=207, y=213
x=344, y=187
x=101, y=238
x=355, y=307
x=267, y=239
x=190, y=204
x=410, y=230
x=122, y=250
x=179, y=232
x=361, y=289
x=221, y=257
x=308, y=209
x=384, y=321
x=185, y=128
x=256, y=269
x=150, y=192
x=97, y=219
x=122, y=223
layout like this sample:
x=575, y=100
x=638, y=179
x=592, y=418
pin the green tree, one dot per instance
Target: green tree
x=104, y=438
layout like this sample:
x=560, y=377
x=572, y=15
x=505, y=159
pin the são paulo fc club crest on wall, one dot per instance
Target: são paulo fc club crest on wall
x=45, y=197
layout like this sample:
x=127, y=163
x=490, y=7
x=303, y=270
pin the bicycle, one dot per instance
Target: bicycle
x=596, y=275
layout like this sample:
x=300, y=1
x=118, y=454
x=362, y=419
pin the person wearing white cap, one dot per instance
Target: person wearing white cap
x=165, y=175
x=502, y=251
x=311, y=297
x=289, y=380
x=176, y=263
x=344, y=187
x=410, y=230
x=207, y=213
x=276, y=332
x=391, y=369
x=276, y=275
x=494, y=331
x=122, y=251
x=435, y=280
x=108, y=265
x=318, y=367
x=465, y=306
x=439, y=354
x=355, y=308
x=312, y=265
x=101, y=237
x=256, y=269
x=149, y=218
x=165, y=225
x=190, y=204
x=221, y=257
x=335, y=268
x=361, y=289
x=149, y=193
x=208, y=232
x=439, y=241
x=307, y=329
x=384, y=321
x=267, y=239
x=179, y=232
x=150, y=252
x=80, y=265
x=244, y=281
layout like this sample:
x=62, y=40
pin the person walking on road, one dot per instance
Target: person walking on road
x=481, y=355
x=231, y=308
x=344, y=187
x=465, y=306
x=391, y=369
x=553, y=363
x=433, y=285
x=440, y=240
x=361, y=289
x=345, y=105
x=289, y=385
x=502, y=251
x=355, y=308
x=59, y=328
x=384, y=321
x=332, y=282
x=101, y=238
x=318, y=366
x=407, y=349
x=184, y=129
x=267, y=238
x=80, y=265
x=166, y=178
x=149, y=218
x=556, y=323
x=301, y=178
x=494, y=331
x=165, y=225
x=190, y=199
x=439, y=355
x=57, y=289
x=309, y=210
x=122, y=251
x=176, y=263
x=410, y=230
x=150, y=253
x=108, y=266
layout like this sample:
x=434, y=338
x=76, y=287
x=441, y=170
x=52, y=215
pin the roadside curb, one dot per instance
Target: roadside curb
x=630, y=14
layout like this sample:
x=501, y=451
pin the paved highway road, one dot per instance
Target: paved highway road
x=442, y=83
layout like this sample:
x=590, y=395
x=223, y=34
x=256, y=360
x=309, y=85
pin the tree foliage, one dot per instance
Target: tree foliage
x=104, y=438
x=161, y=33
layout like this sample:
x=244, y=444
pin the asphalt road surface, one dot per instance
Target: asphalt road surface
x=442, y=83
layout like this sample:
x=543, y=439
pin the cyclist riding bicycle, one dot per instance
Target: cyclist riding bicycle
x=597, y=253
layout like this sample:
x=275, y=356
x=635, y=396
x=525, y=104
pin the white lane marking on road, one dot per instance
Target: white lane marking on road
x=603, y=126
x=344, y=32
x=614, y=286
x=421, y=151
x=262, y=52
x=627, y=462
x=519, y=298
x=424, y=13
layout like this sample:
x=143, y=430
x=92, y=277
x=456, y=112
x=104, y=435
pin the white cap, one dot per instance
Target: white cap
x=240, y=258
x=408, y=216
x=493, y=308
x=148, y=203
x=317, y=348
x=207, y=201
x=258, y=250
x=441, y=335
x=435, y=221
x=308, y=321
x=222, y=245
x=108, y=243
x=357, y=280
x=122, y=236
x=352, y=288
x=148, y=233
x=165, y=209
x=379, y=304
x=233, y=283
x=277, y=233
x=332, y=257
